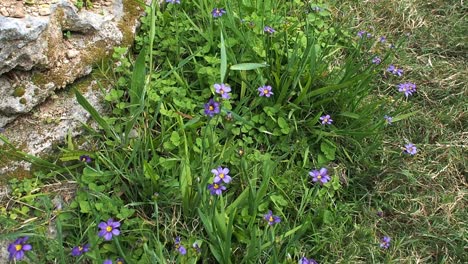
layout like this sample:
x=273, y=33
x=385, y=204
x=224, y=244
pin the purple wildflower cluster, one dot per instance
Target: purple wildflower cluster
x=85, y=159
x=364, y=34
x=218, y=12
x=18, y=248
x=212, y=108
x=265, y=91
x=326, y=120
x=223, y=90
x=388, y=119
x=271, y=219
x=221, y=176
x=117, y=261
x=394, y=70
x=269, y=30
x=321, y=176
x=178, y=246
x=410, y=149
x=173, y=1
x=385, y=242
x=407, y=88
x=305, y=260
x=79, y=250
x=376, y=60
x=109, y=229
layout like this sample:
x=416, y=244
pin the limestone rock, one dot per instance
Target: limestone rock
x=40, y=56
x=23, y=43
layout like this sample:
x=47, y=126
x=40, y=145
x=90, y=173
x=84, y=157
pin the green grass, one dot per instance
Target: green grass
x=424, y=199
x=155, y=149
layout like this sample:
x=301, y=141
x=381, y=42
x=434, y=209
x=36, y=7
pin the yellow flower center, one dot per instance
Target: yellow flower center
x=18, y=247
x=80, y=248
x=109, y=228
x=211, y=108
x=266, y=91
x=221, y=91
x=119, y=262
x=319, y=177
x=270, y=219
x=221, y=175
x=216, y=186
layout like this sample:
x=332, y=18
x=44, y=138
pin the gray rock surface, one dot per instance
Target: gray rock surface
x=41, y=55
x=36, y=57
x=23, y=44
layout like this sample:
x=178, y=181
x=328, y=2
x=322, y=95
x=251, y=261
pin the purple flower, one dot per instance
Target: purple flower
x=382, y=39
x=305, y=260
x=179, y=246
x=380, y=214
x=363, y=34
x=218, y=12
x=18, y=248
x=376, y=60
x=326, y=119
x=109, y=229
x=173, y=1
x=265, y=91
x=388, y=119
x=85, y=158
x=221, y=174
x=196, y=247
x=223, y=90
x=271, y=219
x=107, y=261
x=216, y=189
x=394, y=70
x=211, y=108
x=385, y=242
x=407, y=88
x=79, y=250
x=320, y=176
x=268, y=29
x=411, y=149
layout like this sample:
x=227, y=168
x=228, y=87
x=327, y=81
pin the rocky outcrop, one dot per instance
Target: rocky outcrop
x=46, y=46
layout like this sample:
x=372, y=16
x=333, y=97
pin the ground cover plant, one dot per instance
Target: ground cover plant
x=242, y=132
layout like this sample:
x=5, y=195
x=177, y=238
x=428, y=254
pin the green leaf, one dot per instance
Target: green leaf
x=278, y=200
x=223, y=58
x=137, y=85
x=175, y=138
x=94, y=113
x=404, y=116
x=351, y=115
x=84, y=207
x=328, y=149
x=248, y=66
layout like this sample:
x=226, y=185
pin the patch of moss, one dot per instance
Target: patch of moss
x=39, y=79
x=132, y=10
x=23, y=101
x=19, y=91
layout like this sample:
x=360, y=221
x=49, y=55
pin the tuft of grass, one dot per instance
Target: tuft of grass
x=424, y=199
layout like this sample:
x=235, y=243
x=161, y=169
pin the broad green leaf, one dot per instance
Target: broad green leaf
x=94, y=113
x=248, y=66
x=328, y=149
